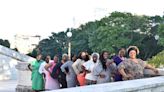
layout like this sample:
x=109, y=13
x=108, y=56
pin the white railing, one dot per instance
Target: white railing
x=155, y=84
x=14, y=54
x=8, y=60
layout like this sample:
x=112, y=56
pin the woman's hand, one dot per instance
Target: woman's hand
x=83, y=73
x=152, y=68
x=127, y=77
x=109, y=63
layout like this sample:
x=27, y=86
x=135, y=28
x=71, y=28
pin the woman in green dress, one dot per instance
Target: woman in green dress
x=36, y=77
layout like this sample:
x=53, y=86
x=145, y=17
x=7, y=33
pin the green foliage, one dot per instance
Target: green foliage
x=161, y=34
x=157, y=60
x=110, y=33
x=5, y=43
x=33, y=53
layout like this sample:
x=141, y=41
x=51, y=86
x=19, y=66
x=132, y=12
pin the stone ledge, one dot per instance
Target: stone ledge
x=15, y=55
x=22, y=88
x=155, y=84
x=22, y=66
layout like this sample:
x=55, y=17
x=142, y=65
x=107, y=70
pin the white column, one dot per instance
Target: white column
x=69, y=50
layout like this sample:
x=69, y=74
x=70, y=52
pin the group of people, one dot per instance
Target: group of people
x=86, y=69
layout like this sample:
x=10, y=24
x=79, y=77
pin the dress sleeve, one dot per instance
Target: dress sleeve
x=86, y=65
x=65, y=65
x=122, y=65
x=143, y=63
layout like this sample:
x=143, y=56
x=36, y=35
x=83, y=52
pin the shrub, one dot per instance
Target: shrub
x=158, y=60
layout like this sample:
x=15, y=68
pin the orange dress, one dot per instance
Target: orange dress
x=81, y=79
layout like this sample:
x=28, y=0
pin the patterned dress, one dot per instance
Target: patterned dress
x=132, y=68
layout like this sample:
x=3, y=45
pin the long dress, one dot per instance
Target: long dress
x=71, y=76
x=51, y=84
x=36, y=77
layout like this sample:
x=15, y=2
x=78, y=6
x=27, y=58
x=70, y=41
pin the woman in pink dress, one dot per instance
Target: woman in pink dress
x=51, y=84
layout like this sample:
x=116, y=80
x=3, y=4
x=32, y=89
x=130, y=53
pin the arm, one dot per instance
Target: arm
x=121, y=70
x=65, y=65
x=41, y=68
x=152, y=68
x=97, y=71
x=85, y=70
x=29, y=67
x=85, y=67
x=124, y=75
x=47, y=67
x=75, y=67
x=109, y=62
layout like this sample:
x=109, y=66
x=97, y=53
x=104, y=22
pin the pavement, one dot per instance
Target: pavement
x=8, y=85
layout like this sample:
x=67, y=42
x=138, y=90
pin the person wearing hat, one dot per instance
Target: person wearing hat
x=133, y=68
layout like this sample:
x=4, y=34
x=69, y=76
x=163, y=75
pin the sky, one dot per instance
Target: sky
x=41, y=17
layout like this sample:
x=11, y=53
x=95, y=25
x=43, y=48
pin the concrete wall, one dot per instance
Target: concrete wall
x=155, y=84
x=8, y=60
x=24, y=78
x=7, y=68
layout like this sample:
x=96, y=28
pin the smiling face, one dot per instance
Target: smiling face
x=132, y=54
x=105, y=55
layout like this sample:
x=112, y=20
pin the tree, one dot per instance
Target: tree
x=5, y=43
x=119, y=29
x=124, y=29
x=157, y=60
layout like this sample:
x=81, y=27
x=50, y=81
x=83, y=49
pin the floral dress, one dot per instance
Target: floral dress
x=132, y=68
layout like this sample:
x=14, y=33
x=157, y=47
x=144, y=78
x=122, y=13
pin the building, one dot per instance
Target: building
x=26, y=43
